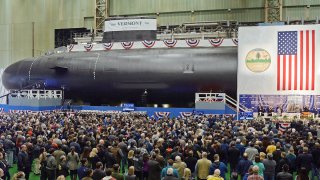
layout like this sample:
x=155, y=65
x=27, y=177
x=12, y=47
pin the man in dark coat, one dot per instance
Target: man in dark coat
x=243, y=165
x=233, y=156
x=24, y=162
x=98, y=173
x=154, y=168
x=304, y=159
x=316, y=161
x=284, y=175
x=191, y=162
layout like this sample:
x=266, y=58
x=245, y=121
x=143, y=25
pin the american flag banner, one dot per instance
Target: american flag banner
x=279, y=60
x=296, y=60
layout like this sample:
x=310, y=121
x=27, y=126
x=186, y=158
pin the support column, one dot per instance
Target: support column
x=273, y=11
x=101, y=13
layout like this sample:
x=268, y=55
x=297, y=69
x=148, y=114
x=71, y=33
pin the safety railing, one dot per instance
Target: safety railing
x=36, y=94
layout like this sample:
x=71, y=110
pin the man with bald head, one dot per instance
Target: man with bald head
x=202, y=167
x=24, y=161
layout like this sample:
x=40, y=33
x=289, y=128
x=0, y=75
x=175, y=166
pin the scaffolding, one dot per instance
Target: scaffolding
x=273, y=11
x=101, y=13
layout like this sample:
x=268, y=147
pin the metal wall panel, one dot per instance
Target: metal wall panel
x=16, y=17
x=123, y=7
x=297, y=13
x=300, y=2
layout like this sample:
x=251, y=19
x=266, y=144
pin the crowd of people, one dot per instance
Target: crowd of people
x=133, y=146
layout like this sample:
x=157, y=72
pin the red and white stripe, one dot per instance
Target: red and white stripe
x=297, y=72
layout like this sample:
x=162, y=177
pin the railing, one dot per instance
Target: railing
x=210, y=97
x=232, y=103
x=36, y=94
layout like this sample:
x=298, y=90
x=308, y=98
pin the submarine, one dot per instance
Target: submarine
x=156, y=75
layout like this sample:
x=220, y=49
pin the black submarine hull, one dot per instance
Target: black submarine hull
x=158, y=76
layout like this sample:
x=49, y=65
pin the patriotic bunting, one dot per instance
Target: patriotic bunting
x=235, y=41
x=148, y=44
x=107, y=46
x=216, y=42
x=162, y=114
x=284, y=126
x=186, y=114
x=170, y=43
x=192, y=42
x=127, y=45
x=88, y=47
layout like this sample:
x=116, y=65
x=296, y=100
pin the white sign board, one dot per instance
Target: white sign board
x=130, y=25
x=279, y=60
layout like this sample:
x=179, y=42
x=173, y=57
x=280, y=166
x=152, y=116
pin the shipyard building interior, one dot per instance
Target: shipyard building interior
x=160, y=89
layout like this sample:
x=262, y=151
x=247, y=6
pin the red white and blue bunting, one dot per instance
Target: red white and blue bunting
x=192, y=42
x=186, y=114
x=19, y=111
x=170, y=43
x=88, y=47
x=107, y=46
x=284, y=126
x=71, y=47
x=216, y=42
x=235, y=41
x=127, y=45
x=148, y=44
x=162, y=114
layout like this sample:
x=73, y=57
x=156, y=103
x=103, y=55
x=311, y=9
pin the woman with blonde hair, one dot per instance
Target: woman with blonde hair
x=262, y=156
x=93, y=158
x=130, y=175
x=187, y=174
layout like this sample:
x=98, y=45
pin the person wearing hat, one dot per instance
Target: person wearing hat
x=270, y=167
x=255, y=174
